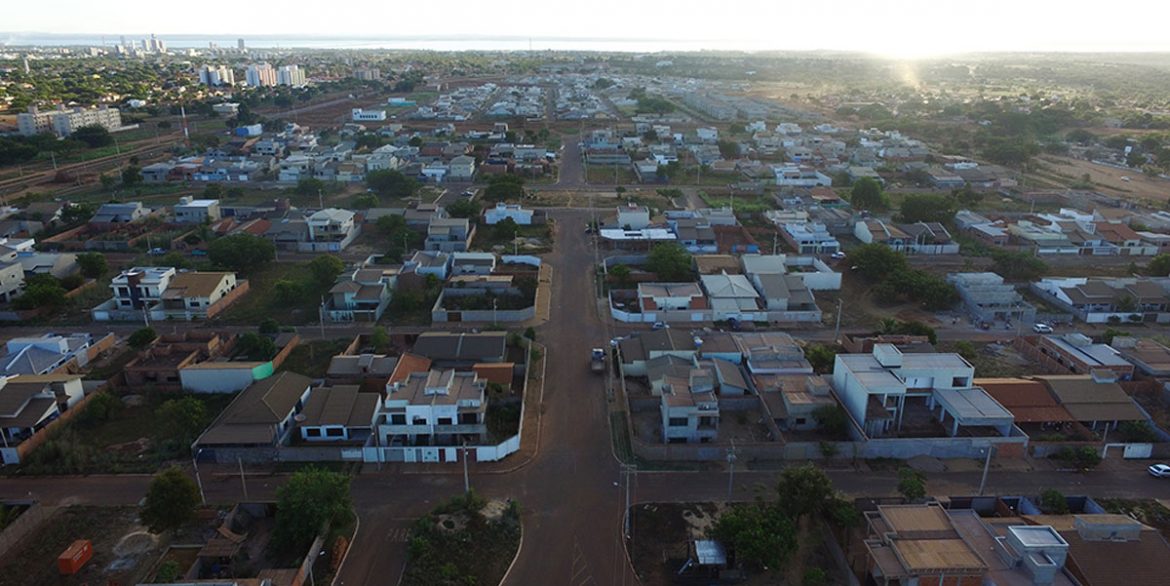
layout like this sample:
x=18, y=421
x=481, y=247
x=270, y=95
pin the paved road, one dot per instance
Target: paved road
x=572, y=168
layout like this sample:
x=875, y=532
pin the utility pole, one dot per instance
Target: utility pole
x=730, y=470
x=466, y=478
x=837, y=328
x=321, y=198
x=986, y=466
x=198, y=481
x=322, y=316
x=243, y=480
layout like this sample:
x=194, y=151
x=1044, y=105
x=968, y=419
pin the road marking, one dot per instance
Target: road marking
x=581, y=574
x=398, y=535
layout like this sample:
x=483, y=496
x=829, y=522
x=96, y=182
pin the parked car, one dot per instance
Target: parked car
x=837, y=255
x=1159, y=470
x=661, y=325
x=1042, y=329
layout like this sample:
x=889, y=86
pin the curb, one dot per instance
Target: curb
x=519, y=548
x=352, y=538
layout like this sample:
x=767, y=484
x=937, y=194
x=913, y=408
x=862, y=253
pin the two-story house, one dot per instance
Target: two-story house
x=434, y=408
x=449, y=234
x=165, y=293
x=197, y=211
x=330, y=230
x=359, y=295
x=28, y=403
x=689, y=408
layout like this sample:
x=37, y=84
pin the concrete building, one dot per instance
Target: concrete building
x=260, y=75
x=361, y=295
x=1098, y=301
x=689, y=408
x=434, y=408
x=988, y=299
x=290, y=75
x=887, y=390
x=30, y=403
x=1078, y=354
x=216, y=75
x=360, y=115
x=330, y=230
x=261, y=416
x=163, y=293
x=502, y=210
x=197, y=211
x=338, y=414
x=449, y=234
x=63, y=122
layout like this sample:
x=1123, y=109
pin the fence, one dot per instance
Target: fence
x=26, y=523
x=15, y=455
x=901, y=448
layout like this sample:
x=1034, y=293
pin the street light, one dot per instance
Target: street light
x=199, y=481
x=495, y=306
x=730, y=470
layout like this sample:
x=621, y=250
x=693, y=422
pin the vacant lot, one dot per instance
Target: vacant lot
x=1139, y=187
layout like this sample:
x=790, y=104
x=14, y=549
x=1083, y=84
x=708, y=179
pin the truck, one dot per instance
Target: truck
x=597, y=360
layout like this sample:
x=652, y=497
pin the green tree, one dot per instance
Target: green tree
x=927, y=208
x=45, y=292
x=131, y=175
x=760, y=534
x=288, y=292
x=620, y=275
x=391, y=183
x=504, y=187
x=866, y=194
x=241, y=252
x=170, y=501
x=832, y=420
x=108, y=182
x=1017, y=266
x=326, y=268
x=182, y=420
x=269, y=326
x=821, y=357
x=465, y=208
x=804, y=491
x=93, y=136
x=505, y=229
x=380, y=339
x=309, y=186
x=911, y=484
x=1052, y=502
x=670, y=262
x=213, y=191
x=93, y=264
x=1159, y=266
x=311, y=500
x=255, y=347
x=728, y=149
x=877, y=261
x=141, y=338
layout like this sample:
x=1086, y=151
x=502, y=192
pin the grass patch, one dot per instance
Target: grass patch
x=32, y=562
x=129, y=438
x=621, y=436
x=263, y=300
x=749, y=204
x=312, y=358
x=463, y=541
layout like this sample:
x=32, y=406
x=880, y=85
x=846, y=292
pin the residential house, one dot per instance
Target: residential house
x=1078, y=354
x=796, y=176
x=784, y=292
x=330, y=230
x=919, y=238
x=429, y=262
x=340, y=414
x=515, y=212
x=670, y=297
x=988, y=299
x=792, y=401
x=730, y=296
x=197, y=211
x=28, y=404
x=164, y=293
x=57, y=264
x=360, y=295
x=809, y=238
x=11, y=281
x=1034, y=409
x=461, y=350
x=473, y=263
x=1096, y=400
x=1151, y=358
x=261, y=416
x=110, y=214
x=689, y=408
x=635, y=352
x=887, y=391
x=51, y=353
x=1107, y=300
x=434, y=408
x=461, y=168
x=449, y=234
x=633, y=217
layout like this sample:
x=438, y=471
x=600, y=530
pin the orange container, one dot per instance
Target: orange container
x=74, y=557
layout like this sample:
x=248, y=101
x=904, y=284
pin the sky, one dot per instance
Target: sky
x=901, y=28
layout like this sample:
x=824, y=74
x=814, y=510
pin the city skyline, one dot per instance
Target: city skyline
x=900, y=29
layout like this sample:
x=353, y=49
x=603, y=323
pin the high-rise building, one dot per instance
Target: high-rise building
x=154, y=45
x=260, y=75
x=240, y=45
x=216, y=75
x=63, y=122
x=291, y=75
x=367, y=73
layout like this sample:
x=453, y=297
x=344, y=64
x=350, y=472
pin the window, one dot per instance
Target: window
x=801, y=421
x=312, y=432
x=677, y=422
x=444, y=421
x=335, y=432
x=960, y=382
x=398, y=419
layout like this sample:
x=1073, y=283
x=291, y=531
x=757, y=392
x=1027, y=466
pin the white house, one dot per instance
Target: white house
x=502, y=210
x=689, y=408
x=633, y=217
x=434, y=408
x=794, y=176
x=360, y=115
x=330, y=230
x=338, y=414
x=196, y=211
x=164, y=293
x=461, y=168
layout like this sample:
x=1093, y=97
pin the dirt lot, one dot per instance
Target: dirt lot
x=662, y=532
x=122, y=550
x=1139, y=187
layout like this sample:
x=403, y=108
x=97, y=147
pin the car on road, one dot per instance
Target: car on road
x=837, y=255
x=661, y=325
x=1042, y=329
x=468, y=193
x=1159, y=470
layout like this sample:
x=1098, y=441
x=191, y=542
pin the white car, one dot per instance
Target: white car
x=837, y=255
x=1159, y=471
x=1042, y=329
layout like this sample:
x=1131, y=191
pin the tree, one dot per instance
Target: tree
x=255, y=347
x=804, y=490
x=866, y=194
x=504, y=187
x=1159, y=266
x=93, y=264
x=309, y=186
x=41, y=291
x=911, y=484
x=1052, y=502
x=241, y=252
x=832, y=420
x=391, y=183
x=821, y=357
x=620, y=275
x=108, y=182
x=465, y=208
x=759, y=533
x=1017, y=266
x=877, y=261
x=170, y=501
x=93, y=136
x=505, y=229
x=182, y=419
x=326, y=268
x=311, y=500
x=728, y=149
x=131, y=175
x=380, y=339
x=269, y=326
x=213, y=191
x=927, y=208
x=670, y=262
x=288, y=292
x=141, y=338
